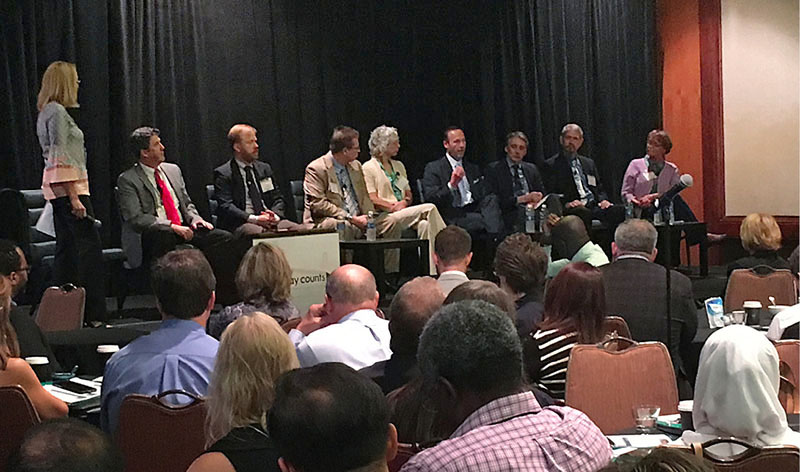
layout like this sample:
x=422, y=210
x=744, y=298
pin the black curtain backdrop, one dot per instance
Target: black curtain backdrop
x=296, y=68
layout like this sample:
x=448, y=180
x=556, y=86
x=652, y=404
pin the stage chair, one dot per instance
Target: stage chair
x=298, y=199
x=17, y=415
x=213, y=204
x=751, y=459
x=156, y=435
x=607, y=384
x=759, y=283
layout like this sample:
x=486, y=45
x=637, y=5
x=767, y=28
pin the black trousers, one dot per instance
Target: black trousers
x=79, y=256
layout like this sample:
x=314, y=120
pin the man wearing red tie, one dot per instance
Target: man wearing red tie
x=156, y=210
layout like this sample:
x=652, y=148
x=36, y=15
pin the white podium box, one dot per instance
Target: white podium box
x=312, y=255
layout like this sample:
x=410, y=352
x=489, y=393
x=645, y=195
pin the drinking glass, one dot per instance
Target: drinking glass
x=646, y=416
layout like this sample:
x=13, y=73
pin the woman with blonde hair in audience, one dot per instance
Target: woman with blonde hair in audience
x=389, y=189
x=264, y=281
x=574, y=310
x=761, y=238
x=253, y=352
x=15, y=371
x=736, y=393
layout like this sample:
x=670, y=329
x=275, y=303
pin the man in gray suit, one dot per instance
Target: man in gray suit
x=452, y=255
x=156, y=210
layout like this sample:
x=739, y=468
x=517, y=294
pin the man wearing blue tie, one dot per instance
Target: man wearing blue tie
x=458, y=190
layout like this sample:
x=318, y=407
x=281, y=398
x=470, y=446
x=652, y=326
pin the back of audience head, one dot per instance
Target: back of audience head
x=660, y=459
x=760, y=232
x=183, y=283
x=469, y=354
x=486, y=291
x=66, y=445
x=264, y=275
x=253, y=352
x=452, y=249
x=349, y=288
x=9, y=346
x=568, y=236
x=412, y=307
x=520, y=264
x=576, y=300
x=637, y=237
x=331, y=418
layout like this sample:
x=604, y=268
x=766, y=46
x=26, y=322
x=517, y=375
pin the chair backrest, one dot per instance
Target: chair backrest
x=420, y=191
x=42, y=245
x=751, y=459
x=17, y=415
x=61, y=308
x=751, y=284
x=155, y=435
x=14, y=215
x=616, y=324
x=405, y=452
x=789, y=354
x=607, y=385
x=298, y=198
x=213, y=204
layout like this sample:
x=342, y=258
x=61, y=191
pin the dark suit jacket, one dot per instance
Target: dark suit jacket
x=636, y=291
x=498, y=180
x=434, y=186
x=558, y=177
x=230, y=190
x=138, y=200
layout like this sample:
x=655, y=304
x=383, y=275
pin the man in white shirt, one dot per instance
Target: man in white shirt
x=346, y=327
x=452, y=255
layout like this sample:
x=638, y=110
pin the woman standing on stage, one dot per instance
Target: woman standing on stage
x=65, y=184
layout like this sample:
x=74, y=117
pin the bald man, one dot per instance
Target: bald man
x=250, y=201
x=571, y=243
x=346, y=327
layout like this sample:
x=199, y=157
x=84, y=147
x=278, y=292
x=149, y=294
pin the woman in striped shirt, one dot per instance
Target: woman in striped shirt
x=574, y=309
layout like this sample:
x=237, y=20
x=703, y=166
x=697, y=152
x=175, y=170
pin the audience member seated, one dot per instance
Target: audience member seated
x=15, y=371
x=156, y=209
x=761, y=237
x=389, y=190
x=250, y=201
x=335, y=192
x=521, y=265
x=486, y=291
x=15, y=269
x=412, y=306
x=177, y=356
x=569, y=319
x=253, y=352
x=736, y=393
x=264, y=281
x=458, y=190
x=331, y=418
x=346, y=327
x=576, y=177
x=571, y=243
x=636, y=290
x=660, y=459
x=784, y=325
x=452, y=255
x=471, y=362
x=515, y=182
x=66, y=445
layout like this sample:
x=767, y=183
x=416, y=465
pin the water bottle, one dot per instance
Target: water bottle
x=372, y=232
x=340, y=229
x=530, y=219
x=543, y=214
x=670, y=213
x=629, y=210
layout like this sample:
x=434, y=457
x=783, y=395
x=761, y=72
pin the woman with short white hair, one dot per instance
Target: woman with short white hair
x=390, y=191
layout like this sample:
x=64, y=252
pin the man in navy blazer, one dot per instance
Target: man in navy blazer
x=249, y=200
x=515, y=182
x=459, y=191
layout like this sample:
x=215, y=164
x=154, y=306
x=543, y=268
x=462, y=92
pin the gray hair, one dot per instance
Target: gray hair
x=380, y=138
x=571, y=127
x=636, y=236
x=517, y=134
x=351, y=284
x=473, y=345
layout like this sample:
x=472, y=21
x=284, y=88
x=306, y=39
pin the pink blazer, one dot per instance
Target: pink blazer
x=636, y=183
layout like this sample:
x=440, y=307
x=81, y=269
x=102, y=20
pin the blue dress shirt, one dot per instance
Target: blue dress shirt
x=179, y=355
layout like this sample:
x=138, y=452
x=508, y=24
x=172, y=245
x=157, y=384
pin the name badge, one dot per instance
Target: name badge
x=648, y=176
x=402, y=182
x=591, y=180
x=266, y=184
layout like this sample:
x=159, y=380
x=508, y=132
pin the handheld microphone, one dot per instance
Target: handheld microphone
x=685, y=182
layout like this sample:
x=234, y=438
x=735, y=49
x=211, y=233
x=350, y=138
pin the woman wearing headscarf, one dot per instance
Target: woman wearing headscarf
x=736, y=393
